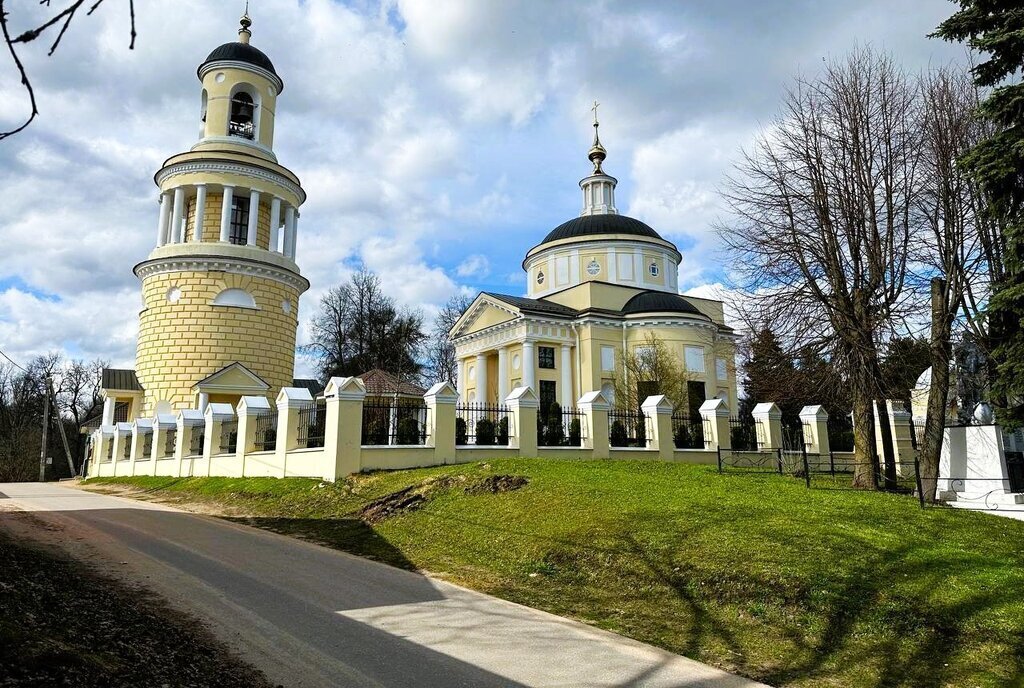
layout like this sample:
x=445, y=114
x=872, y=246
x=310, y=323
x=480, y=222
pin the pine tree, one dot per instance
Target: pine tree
x=995, y=28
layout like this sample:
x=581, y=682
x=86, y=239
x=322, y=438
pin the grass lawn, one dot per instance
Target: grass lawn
x=751, y=573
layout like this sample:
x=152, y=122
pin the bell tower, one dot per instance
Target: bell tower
x=221, y=287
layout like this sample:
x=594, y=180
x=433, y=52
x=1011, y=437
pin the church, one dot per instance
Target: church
x=598, y=285
x=220, y=288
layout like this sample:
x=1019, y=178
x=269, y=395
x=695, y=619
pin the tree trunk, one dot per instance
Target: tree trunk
x=938, y=394
x=863, y=441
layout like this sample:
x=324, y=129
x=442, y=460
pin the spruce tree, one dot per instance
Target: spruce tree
x=995, y=28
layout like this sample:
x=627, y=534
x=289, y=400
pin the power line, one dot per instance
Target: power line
x=13, y=362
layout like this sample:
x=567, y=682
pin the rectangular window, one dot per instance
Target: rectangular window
x=548, y=395
x=722, y=369
x=239, y=220
x=607, y=358
x=546, y=357
x=695, y=359
x=694, y=397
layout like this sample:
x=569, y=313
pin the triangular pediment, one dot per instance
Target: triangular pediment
x=234, y=378
x=486, y=311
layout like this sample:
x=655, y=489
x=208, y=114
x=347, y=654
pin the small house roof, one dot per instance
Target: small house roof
x=381, y=383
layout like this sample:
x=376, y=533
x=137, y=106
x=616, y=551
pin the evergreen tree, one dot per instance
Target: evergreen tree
x=994, y=28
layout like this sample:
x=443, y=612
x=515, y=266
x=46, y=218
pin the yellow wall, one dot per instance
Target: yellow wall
x=212, y=216
x=181, y=343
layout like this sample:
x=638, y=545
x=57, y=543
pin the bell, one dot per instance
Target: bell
x=243, y=113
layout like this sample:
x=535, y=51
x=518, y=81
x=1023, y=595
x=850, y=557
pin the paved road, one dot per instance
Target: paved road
x=311, y=616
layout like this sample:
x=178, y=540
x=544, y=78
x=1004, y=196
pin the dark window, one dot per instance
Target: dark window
x=646, y=388
x=239, y=220
x=546, y=357
x=242, y=114
x=121, y=412
x=548, y=394
x=695, y=397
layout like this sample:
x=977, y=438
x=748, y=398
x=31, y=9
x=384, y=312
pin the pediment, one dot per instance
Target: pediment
x=233, y=378
x=483, y=313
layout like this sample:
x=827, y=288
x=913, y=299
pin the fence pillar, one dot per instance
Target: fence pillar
x=441, y=400
x=249, y=409
x=290, y=402
x=903, y=440
x=714, y=414
x=522, y=404
x=815, y=426
x=658, y=411
x=216, y=414
x=595, y=412
x=162, y=424
x=189, y=421
x=122, y=440
x=768, y=424
x=344, y=431
x=140, y=428
x=102, y=443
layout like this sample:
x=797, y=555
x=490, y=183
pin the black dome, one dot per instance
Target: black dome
x=659, y=302
x=600, y=224
x=240, y=52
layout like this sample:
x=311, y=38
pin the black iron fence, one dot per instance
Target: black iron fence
x=840, y=432
x=266, y=431
x=197, y=440
x=126, y=449
x=312, y=426
x=229, y=436
x=561, y=427
x=170, y=439
x=482, y=424
x=394, y=421
x=690, y=432
x=743, y=435
x=627, y=428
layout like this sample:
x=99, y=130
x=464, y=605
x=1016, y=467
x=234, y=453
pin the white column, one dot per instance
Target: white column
x=204, y=401
x=460, y=380
x=197, y=226
x=275, y=222
x=179, y=207
x=165, y=215
x=108, y=411
x=529, y=367
x=481, y=378
x=567, y=398
x=295, y=235
x=254, y=216
x=225, y=213
x=289, y=231
x=502, y=374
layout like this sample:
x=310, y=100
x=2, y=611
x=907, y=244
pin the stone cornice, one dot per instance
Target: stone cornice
x=238, y=266
x=229, y=167
x=245, y=66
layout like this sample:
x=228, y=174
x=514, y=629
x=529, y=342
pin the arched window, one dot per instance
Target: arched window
x=243, y=116
x=202, y=114
x=235, y=297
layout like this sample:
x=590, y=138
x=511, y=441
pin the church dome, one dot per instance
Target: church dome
x=589, y=225
x=237, y=51
x=659, y=302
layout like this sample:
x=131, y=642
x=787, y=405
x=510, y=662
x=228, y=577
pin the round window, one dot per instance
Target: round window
x=471, y=373
x=593, y=268
x=515, y=361
x=540, y=278
x=655, y=270
x=173, y=294
x=219, y=78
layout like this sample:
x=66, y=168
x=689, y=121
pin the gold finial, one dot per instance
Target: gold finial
x=597, y=153
x=244, y=34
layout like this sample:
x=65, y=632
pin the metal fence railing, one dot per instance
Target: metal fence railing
x=170, y=439
x=229, y=437
x=840, y=432
x=126, y=451
x=312, y=426
x=394, y=422
x=743, y=434
x=627, y=428
x=482, y=424
x=197, y=440
x=266, y=431
x=561, y=427
x=690, y=432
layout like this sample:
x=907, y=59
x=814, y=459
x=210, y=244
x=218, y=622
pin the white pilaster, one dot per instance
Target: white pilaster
x=165, y=215
x=460, y=379
x=567, y=397
x=289, y=231
x=529, y=366
x=197, y=228
x=254, y=217
x=481, y=378
x=275, y=223
x=176, y=213
x=502, y=373
x=225, y=214
x=108, y=411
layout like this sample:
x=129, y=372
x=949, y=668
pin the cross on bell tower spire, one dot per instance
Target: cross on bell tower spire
x=597, y=153
x=599, y=187
x=244, y=34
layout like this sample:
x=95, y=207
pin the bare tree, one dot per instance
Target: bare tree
x=62, y=20
x=821, y=224
x=441, y=365
x=651, y=368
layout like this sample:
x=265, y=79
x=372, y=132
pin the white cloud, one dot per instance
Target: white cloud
x=474, y=266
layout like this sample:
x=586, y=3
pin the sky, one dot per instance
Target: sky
x=437, y=140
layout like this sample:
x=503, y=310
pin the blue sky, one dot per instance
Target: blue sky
x=438, y=140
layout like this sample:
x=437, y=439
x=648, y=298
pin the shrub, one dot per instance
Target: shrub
x=485, y=432
x=617, y=437
x=681, y=437
x=375, y=431
x=641, y=431
x=461, y=432
x=555, y=434
x=503, y=431
x=408, y=431
x=575, y=433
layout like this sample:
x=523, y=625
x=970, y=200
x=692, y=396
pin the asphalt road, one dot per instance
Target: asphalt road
x=311, y=616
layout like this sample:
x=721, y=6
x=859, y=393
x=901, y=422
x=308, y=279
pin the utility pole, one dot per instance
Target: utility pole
x=46, y=428
x=60, y=427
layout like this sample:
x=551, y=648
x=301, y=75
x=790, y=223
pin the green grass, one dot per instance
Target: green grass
x=752, y=573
